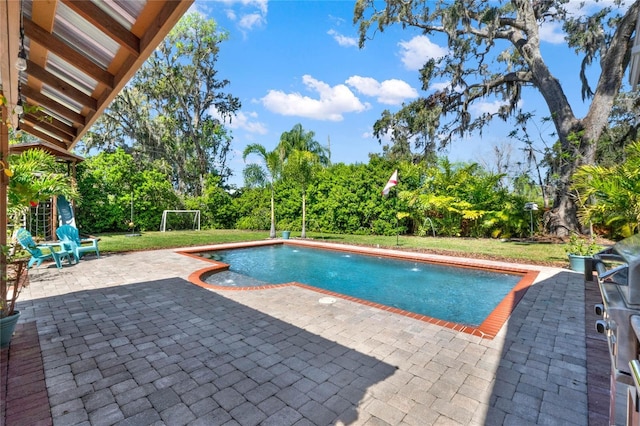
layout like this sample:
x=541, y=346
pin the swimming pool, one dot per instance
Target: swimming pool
x=459, y=295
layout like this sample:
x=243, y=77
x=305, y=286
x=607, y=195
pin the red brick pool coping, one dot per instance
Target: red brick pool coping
x=488, y=329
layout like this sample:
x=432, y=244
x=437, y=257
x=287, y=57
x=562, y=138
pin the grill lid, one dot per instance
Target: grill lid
x=620, y=265
x=629, y=249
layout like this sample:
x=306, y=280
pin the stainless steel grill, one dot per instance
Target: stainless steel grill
x=618, y=270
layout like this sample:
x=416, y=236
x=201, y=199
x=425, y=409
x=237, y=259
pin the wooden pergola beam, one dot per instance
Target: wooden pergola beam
x=45, y=125
x=42, y=135
x=38, y=98
x=55, y=45
x=36, y=71
x=106, y=24
x=41, y=117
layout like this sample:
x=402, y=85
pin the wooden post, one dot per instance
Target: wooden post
x=9, y=46
x=4, y=182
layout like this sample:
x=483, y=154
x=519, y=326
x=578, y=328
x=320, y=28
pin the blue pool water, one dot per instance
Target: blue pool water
x=461, y=295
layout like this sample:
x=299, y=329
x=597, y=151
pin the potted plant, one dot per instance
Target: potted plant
x=16, y=278
x=579, y=249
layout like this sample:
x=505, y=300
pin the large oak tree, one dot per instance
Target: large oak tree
x=175, y=108
x=494, y=51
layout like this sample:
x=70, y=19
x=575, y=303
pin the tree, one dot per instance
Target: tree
x=299, y=139
x=215, y=205
x=494, y=51
x=175, y=108
x=622, y=130
x=301, y=167
x=254, y=174
x=110, y=182
x=301, y=156
x=412, y=123
x=347, y=198
x=461, y=199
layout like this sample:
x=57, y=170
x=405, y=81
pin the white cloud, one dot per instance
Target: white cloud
x=390, y=92
x=551, y=32
x=342, y=40
x=337, y=20
x=257, y=4
x=248, y=122
x=243, y=121
x=252, y=20
x=249, y=14
x=418, y=50
x=443, y=85
x=332, y=103
x=587, y=7
x=484, y=107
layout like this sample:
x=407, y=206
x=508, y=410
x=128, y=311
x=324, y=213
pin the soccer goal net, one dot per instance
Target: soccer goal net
x=175, y=220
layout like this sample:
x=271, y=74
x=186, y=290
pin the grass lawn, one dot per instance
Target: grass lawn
x=515, y=251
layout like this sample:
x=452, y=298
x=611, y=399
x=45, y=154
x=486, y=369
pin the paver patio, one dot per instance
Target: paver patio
x=127, y=340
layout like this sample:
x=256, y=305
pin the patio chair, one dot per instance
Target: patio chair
x=53, y=251
x=70, y=237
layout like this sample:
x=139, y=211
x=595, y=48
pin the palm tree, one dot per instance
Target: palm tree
x=35, y=177
x=302, y=167
x=256, y=175
x=610, y=196
x=302, y=156
x=299, y=139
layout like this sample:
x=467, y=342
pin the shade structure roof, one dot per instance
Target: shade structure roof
x=79, y=55
x=61, y=154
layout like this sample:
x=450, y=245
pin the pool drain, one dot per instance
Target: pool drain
x=327, y=300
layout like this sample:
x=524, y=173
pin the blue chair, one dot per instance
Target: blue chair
x=53, y=251
x=70, y=237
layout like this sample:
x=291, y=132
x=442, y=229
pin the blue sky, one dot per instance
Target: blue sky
x=295, y=62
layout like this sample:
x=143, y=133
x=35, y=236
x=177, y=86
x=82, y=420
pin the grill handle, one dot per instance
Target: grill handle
x=634, y=364
x=607, y=274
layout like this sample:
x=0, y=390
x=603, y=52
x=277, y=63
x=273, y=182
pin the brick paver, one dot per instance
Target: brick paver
x=126, y=339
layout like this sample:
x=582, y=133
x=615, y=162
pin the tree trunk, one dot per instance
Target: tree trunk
x=304, y=216
x=272, y=234
x=562, y=219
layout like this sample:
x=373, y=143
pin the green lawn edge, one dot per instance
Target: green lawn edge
x=516, y=251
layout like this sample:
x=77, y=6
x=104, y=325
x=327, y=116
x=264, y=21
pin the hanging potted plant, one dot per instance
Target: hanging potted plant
x=579, y=249
x=33, y=177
